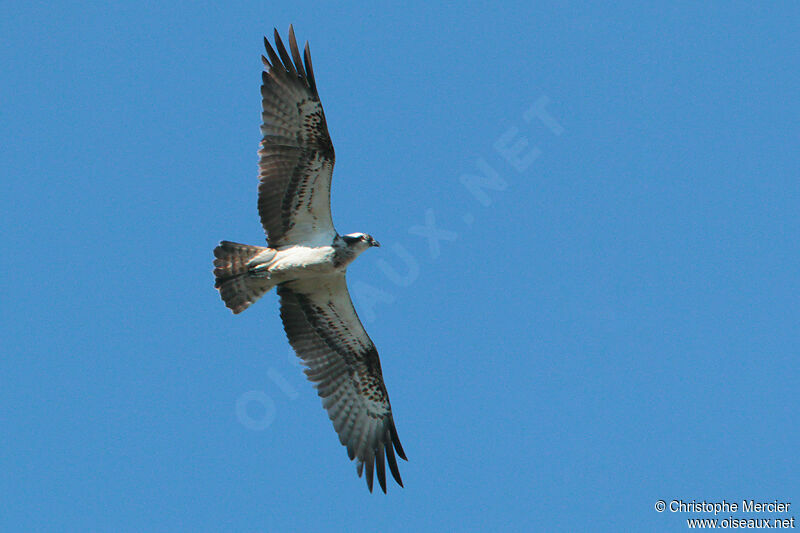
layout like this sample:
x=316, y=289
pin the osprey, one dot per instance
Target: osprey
x=306, y=259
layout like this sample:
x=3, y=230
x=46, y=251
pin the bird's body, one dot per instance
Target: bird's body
x=306, y=259
x=303, y=260
x=298, y=261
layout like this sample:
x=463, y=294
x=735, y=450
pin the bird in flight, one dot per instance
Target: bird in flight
x=306, y=260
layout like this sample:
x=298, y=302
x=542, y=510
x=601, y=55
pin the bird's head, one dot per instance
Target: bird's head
x=359, y=241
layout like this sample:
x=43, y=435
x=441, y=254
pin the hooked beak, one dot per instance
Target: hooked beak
x=376, y=243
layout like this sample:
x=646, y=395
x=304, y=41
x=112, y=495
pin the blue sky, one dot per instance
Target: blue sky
x=609, y=320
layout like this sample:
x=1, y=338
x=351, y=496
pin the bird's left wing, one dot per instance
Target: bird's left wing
x=296, y=156
x=324, y=329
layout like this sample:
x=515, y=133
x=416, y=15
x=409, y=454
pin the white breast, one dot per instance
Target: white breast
x=299, y=259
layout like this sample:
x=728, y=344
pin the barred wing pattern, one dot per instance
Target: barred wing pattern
x=296, y=156
x=323, y=328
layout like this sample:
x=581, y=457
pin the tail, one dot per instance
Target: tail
x=237, y=286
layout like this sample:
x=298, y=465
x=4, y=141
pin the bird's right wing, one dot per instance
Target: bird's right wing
x=324, y=329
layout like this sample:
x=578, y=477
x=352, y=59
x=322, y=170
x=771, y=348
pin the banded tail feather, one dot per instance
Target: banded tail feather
x=238, y=287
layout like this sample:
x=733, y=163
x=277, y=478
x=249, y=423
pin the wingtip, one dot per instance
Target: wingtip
x=396, y=441
x=273, y=57
x=370, y=471
x=312, y=82
x=296, y=57
x=390, y=458
x=380, y=466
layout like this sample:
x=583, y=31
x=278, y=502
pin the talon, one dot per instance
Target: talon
x=260, y=271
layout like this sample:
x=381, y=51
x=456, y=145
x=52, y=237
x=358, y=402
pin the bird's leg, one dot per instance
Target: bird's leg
x=260, y=271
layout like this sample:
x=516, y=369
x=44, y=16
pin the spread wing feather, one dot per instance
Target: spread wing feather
x=296, y=155
x=324, y=329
